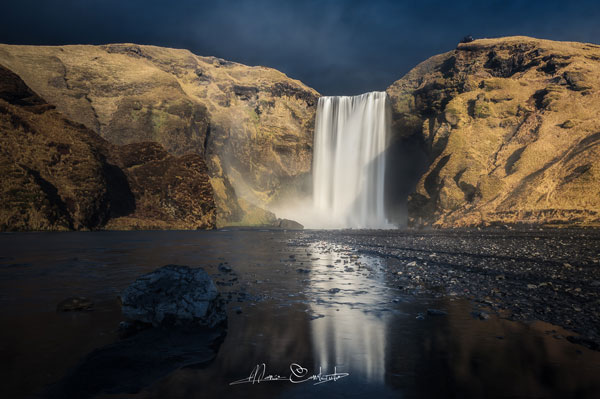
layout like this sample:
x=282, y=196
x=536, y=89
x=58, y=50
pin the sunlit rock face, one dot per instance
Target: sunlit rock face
x=60, y=175
x=511, y=129
x=253, y=125
x=349, y=161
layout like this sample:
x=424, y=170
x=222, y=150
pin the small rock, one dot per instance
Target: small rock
x=413, y=263
x=334, y=290
x=224, y=268
x=531, y=286
x=436, y=312
x=287, y=224
x=74, y=303
x=481, y=315
x=128, y=328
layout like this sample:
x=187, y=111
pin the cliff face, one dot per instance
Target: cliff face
x=60, y=175
x=511, y=129
x=509, y=126
x=252, y=125
x=170, y=192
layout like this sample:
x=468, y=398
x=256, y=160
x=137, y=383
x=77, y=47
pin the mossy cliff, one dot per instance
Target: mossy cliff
x=252, y=125
x=59, y=175
x=511, y=129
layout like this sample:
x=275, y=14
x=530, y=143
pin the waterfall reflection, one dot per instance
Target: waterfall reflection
x=350, y=332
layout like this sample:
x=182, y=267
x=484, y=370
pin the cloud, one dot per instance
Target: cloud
x=335, y=46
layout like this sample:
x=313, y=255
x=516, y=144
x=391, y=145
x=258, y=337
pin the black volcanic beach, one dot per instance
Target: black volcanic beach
x=395, y=310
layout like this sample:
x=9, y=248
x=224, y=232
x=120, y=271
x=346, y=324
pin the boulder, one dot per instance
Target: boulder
x=73, y=304
x=174, y=296
x=287, y=224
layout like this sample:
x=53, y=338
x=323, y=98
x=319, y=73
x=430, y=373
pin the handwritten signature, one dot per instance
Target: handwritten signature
x=298, y=375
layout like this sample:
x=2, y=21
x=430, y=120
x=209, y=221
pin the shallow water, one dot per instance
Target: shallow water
x=319, y=306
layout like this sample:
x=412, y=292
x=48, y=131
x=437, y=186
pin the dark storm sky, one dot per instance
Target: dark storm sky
x=335, y=46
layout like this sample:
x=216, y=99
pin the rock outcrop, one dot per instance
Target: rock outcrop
x=174, y=296
x=170, y=192
x=252, y=125
x=59, y=175
x=511, y=129
x=287, y=224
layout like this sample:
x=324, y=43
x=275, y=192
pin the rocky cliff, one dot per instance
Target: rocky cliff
x=511, y=130
x=59, y=175
x=252, y=125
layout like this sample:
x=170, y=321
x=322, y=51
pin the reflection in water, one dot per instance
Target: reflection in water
x=350, y=335
x=285, y=308
x=498, y=357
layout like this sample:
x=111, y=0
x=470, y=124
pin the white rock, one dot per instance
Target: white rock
x=174, y=295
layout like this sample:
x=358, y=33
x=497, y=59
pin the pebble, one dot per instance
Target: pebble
x=481, y=315
x=436, y=312
x=74, y=303
x=224, y=268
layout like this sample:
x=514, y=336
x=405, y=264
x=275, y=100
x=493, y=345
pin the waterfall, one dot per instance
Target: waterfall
x=349, y=161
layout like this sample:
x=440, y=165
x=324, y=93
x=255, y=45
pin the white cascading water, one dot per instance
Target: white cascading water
x=349, y=161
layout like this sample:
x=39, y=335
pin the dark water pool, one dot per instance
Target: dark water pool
x=321, y=307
